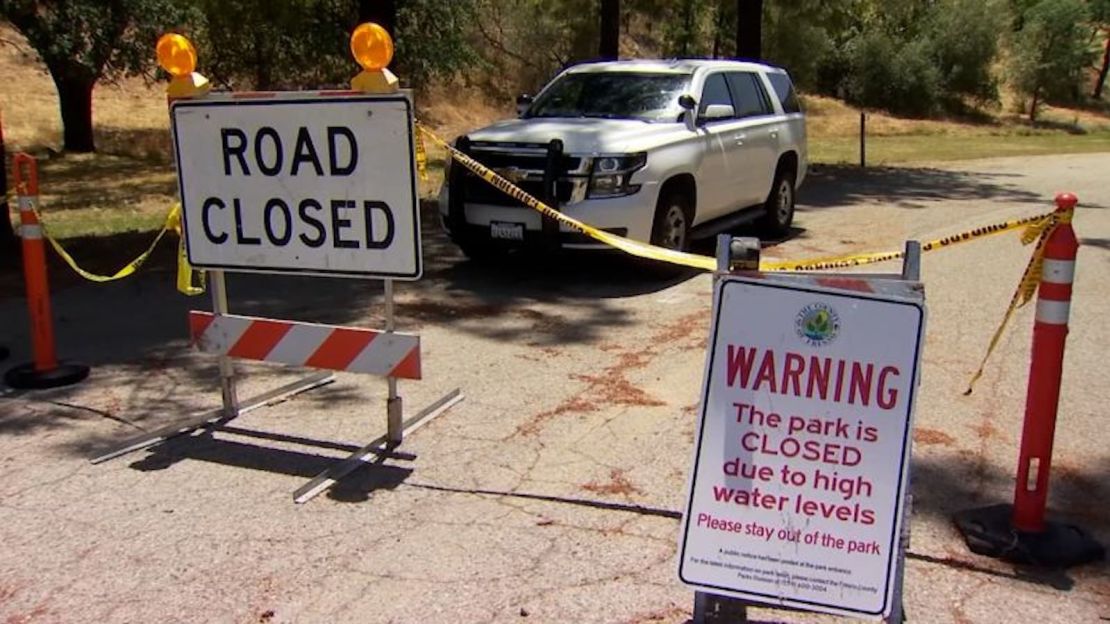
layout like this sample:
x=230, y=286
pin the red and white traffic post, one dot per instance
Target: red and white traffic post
x=1046, y=370
x=44, y=371
x=1020, y=532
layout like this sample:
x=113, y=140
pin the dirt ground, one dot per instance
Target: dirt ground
x=553, y=492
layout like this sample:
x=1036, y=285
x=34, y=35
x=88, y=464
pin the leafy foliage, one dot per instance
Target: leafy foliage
x=1051, y=51
x=81, y=41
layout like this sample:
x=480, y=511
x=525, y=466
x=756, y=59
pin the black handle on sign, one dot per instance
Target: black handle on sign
x=551, y=172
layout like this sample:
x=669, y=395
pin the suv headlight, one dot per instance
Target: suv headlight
x=610, y=175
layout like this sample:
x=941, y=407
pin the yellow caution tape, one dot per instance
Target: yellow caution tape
x=173, y=222
x=707, y=263
x=185, y=272
x=1039, y=231
x=421, y=158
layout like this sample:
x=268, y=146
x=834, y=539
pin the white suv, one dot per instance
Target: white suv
x=659, y=151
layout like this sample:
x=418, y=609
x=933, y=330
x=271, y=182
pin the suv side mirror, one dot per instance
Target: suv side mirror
x=687, y=102
x=523, y=103
x=715, y=112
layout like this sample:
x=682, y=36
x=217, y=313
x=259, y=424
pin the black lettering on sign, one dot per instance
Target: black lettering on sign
x=212, y=202
x=278, y=206
x=259, y=152
x=305, y=152
x=334, y=134
x=387, y=239
x=238, y=150
x=240, y=237
x=316, y=224
x=338, y=223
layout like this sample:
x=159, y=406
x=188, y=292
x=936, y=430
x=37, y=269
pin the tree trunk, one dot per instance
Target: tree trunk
x=719, y=30
x=1033, y=106
x=609, y=47
x=1101, y=83
x=749, y=29
x=381, y=12
x=75, y=97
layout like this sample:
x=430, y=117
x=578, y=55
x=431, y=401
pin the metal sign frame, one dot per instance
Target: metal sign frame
x=735, y=256
x=397, y=426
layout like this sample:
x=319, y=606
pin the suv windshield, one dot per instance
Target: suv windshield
x=624, y=95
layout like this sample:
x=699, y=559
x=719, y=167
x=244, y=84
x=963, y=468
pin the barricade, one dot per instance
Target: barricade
x=45, y=370
x=381, y=253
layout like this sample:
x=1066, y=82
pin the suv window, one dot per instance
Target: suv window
x=784, y=89
x=714, y=92
x=751, y=98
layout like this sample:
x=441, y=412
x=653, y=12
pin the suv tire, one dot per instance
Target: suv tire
x=779, y=208
x=671, y=226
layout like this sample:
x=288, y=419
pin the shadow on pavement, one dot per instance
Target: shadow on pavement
x=356, y=487
x=906, y=187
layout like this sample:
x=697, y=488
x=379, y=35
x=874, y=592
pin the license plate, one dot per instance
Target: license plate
x=507, y=231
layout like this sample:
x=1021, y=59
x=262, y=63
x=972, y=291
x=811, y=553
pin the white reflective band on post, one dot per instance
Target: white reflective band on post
x=1058, y=271
x=30, y=232
x=27, y=203
x=1053, y=312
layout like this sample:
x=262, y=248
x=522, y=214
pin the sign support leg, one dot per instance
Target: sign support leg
x=911, y=272
x=394, y=407
x=228, y=389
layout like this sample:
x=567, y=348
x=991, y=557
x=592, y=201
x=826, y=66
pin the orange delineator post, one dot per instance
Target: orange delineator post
x=26, y=177
x=1046, y=370
x=1020, y=532
x=44, y=371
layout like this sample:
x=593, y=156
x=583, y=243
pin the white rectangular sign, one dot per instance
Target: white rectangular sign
x=795, y=497
x=299, y=183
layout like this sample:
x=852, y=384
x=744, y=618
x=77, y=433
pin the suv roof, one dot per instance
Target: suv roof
x=677, y=66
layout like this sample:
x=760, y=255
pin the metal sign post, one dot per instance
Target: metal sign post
x=742, y=562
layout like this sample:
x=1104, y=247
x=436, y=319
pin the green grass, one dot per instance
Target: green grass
x=909, y=149
x=102, y=221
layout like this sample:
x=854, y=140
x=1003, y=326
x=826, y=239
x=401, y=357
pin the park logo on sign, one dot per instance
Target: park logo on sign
x=817, y=324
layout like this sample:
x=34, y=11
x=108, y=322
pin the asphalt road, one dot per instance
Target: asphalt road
x=553, y=492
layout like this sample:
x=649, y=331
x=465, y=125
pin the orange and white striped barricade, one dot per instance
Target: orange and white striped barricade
x=45, y=370
x=803, y=439
x=310, y=183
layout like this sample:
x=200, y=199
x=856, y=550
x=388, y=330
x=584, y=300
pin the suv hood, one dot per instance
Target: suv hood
x=583, y=136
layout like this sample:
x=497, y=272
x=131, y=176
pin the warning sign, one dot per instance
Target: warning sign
x=800, y=460
x=287, y=182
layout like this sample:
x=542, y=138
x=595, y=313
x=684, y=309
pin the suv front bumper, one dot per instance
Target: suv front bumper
x=631, y=216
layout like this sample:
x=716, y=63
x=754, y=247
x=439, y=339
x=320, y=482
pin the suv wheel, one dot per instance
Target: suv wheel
x=671, y=228
x=780, y=204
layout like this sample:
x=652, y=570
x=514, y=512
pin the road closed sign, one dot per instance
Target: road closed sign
x=299, y=183
x=802, y=446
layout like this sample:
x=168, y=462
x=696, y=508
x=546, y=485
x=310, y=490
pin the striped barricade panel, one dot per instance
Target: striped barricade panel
x=330, y=347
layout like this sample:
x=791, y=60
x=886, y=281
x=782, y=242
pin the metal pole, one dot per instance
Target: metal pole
x=911, y=272
x=862, y=140
x=709, y=607
x=227, y=366
x=395, y=432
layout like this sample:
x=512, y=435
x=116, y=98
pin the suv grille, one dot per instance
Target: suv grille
x=522, y=165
